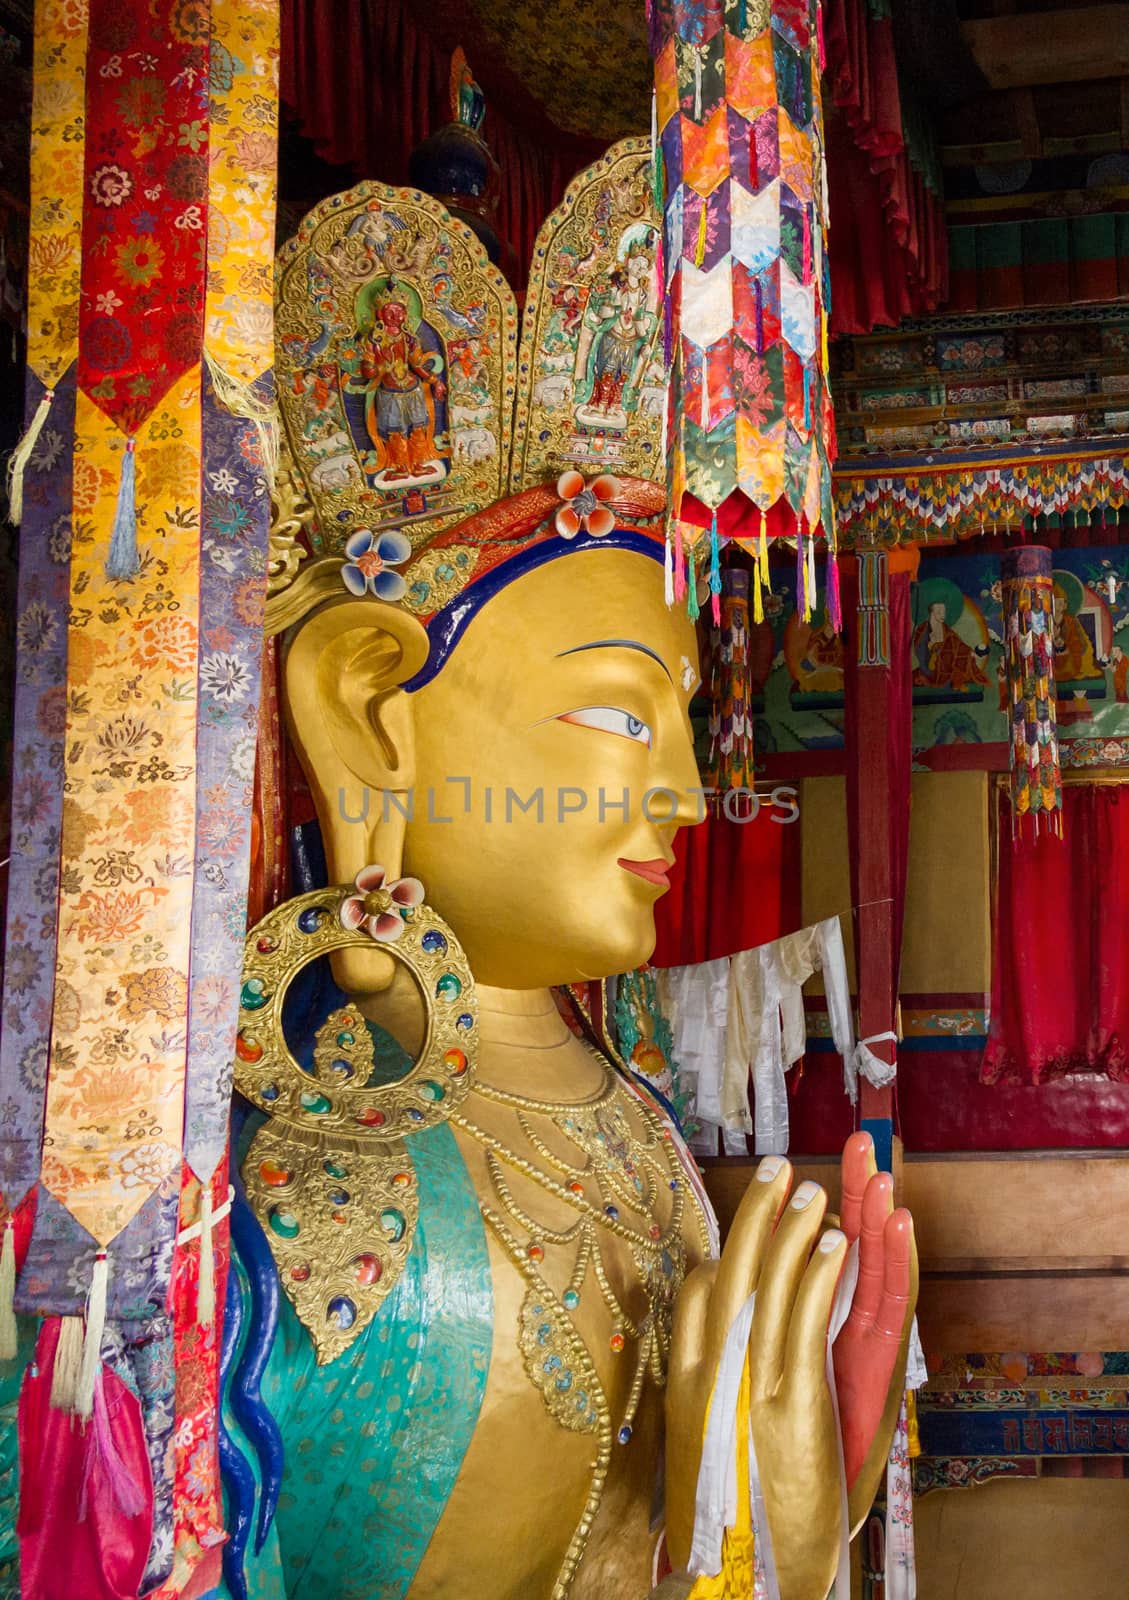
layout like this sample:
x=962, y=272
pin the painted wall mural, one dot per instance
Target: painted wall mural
x=959, y=694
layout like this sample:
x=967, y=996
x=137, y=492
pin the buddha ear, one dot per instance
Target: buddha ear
x=351, y=723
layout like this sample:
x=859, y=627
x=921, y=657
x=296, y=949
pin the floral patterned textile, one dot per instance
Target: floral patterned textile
x=146, y=177
x=160, y=714
x=128, y=824
x=153, y=190
x=37, y=797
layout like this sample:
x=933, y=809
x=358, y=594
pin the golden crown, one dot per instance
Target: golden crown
x=378, y=472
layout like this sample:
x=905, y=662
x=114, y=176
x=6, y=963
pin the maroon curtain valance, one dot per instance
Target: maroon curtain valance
x=368, y=80
x=889, y=248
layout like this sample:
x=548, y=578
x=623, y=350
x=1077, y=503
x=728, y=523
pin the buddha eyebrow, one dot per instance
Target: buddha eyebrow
x=617, y=644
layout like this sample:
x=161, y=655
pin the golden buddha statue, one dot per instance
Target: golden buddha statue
x=510, y=1314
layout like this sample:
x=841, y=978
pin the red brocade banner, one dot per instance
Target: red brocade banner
x=145, y=224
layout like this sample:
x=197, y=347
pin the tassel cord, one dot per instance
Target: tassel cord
x=22, y=454
x=9, y=1340
x=91, y=1367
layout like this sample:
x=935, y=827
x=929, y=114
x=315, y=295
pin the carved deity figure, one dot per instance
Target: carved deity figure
x=616, y=330
x=401, y=382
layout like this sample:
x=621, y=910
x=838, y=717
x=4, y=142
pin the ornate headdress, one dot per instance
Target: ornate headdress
x=431, y=484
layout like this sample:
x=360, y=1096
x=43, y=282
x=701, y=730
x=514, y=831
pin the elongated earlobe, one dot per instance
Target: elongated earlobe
x=352, y=725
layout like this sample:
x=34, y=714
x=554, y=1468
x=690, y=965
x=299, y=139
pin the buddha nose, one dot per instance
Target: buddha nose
x=681, y=779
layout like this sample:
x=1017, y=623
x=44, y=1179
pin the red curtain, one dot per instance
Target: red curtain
x=889, y=248
x=368, y=80
x=1060, y=967
x=734, y=886
x=879, y=732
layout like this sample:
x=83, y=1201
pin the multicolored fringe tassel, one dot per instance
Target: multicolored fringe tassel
x=730, y=764
x=1029, y=662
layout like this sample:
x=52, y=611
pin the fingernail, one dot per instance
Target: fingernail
x=768, y=1168
x=804, y=1195
x=831, y=1240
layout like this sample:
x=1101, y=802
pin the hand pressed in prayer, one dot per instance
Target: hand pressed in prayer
x=870, y=1352
x=778, y=1247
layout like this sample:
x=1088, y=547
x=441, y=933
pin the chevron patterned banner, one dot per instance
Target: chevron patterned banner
x=739, y=158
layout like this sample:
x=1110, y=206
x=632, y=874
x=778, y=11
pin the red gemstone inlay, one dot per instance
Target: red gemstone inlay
x=248, y=1049
x=367, y=1269
x=370, y=1117
x=274, y=1174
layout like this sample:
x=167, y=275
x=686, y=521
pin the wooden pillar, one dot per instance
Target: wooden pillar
x=879, y=757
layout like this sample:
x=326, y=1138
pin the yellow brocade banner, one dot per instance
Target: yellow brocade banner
x=239, y=310
x=117, y=1063
x=55, y=245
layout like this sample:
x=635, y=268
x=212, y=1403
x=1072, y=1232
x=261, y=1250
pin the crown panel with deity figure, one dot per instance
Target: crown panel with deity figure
x=396, y=356
x=592, y=384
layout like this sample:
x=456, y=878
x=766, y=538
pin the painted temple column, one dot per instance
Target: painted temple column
x=879, y=706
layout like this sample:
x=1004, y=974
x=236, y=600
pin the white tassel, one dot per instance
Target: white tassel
x=92, y=1344
x=9, y=1338
x=668, y=572
x=68, y=1361
x=241, y=400
x=206, y=1289
x=21, y=455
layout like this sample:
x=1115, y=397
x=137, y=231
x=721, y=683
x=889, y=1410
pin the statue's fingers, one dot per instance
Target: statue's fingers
x=858, y=1167
x=688, y=1336
x=688, y=1384
x=811, y=1314
x=878, y=1203
x=780, y=1278
x=893, y=1308
x=746, y=1245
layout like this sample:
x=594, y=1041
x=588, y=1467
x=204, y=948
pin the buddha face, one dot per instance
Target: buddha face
x=553, y=765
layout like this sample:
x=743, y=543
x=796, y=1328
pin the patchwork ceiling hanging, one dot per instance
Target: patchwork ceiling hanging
x=741, y=172
x=1030, y=625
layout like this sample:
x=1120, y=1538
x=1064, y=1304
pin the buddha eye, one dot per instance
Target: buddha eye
x=610, y=719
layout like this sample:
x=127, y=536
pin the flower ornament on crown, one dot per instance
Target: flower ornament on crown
x=380, y=906
x=369, y=558
x=585, y=508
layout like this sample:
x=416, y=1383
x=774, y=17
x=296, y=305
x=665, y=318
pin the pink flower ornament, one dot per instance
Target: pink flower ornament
x=380, y=906
x=584, y=509
x=369, y=558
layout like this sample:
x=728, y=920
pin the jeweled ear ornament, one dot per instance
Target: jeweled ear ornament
x=330, y=1175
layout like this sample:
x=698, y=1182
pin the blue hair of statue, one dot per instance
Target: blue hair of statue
x=447, y=626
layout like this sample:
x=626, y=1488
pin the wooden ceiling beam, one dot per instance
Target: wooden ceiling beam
x=1078, y=46
x=1027, y=123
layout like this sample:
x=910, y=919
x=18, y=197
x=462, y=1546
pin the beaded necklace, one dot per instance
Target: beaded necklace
x=629, y=1167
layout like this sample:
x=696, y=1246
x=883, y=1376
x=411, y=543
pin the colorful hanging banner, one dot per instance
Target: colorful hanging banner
x=141, y=679
x=916, y=500
x=39, y=485
x=1029, y=642
x=739, y=140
